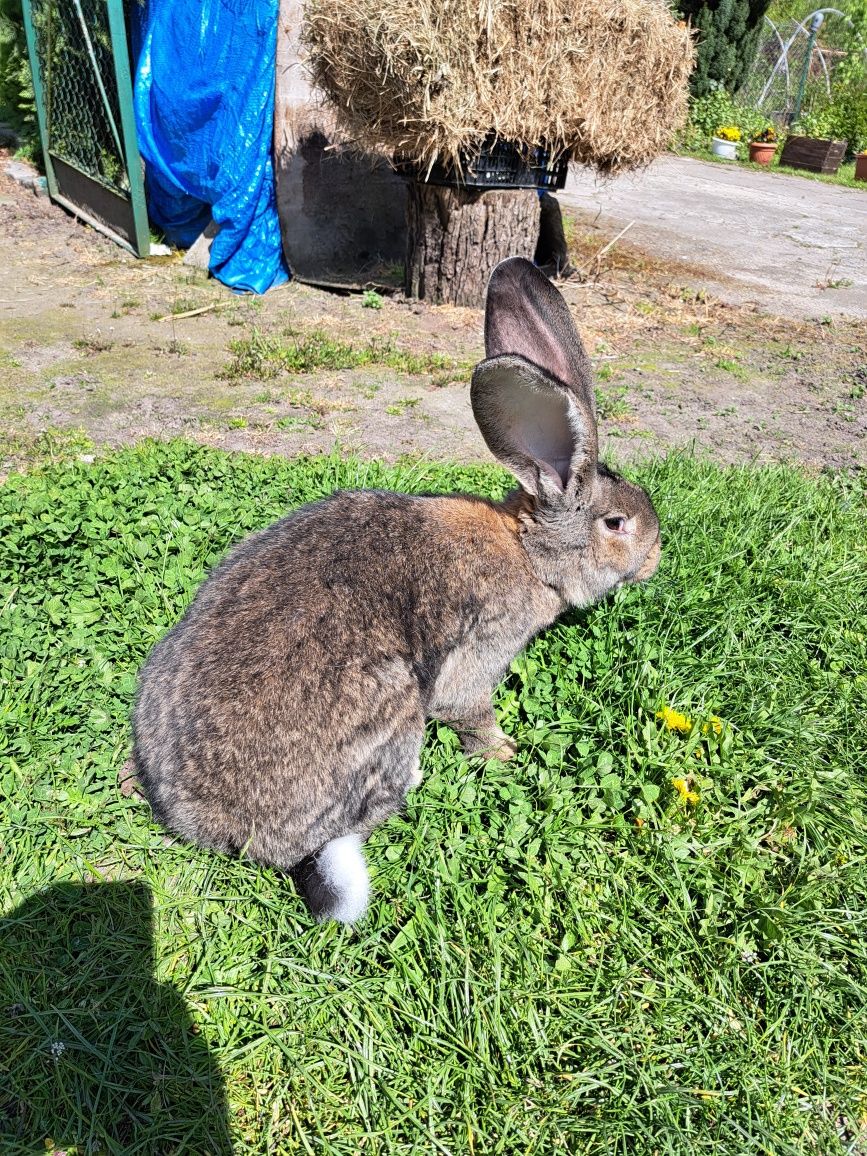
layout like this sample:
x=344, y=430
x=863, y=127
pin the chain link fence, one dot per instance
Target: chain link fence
x=786, y=57
x=84, y=104
x=82, y=111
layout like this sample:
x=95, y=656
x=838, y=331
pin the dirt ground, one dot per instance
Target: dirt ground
x=93, y=340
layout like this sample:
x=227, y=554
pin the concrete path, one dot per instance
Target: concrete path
x=795, y=246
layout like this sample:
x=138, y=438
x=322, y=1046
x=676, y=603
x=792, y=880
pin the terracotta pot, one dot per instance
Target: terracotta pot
x=762, y=152
x=861, y=167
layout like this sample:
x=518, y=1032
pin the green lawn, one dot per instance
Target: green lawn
x=845, y=175
x=634, y=940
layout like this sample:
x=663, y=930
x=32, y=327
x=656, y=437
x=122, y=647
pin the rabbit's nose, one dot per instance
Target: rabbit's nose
x=648, y=567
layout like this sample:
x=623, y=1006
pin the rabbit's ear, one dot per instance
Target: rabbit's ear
x=527, y=316
x=535, y=426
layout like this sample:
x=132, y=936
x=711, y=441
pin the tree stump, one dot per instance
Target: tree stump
x=456, y=236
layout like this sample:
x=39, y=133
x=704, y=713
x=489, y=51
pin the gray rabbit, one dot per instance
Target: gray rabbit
x=283, y=717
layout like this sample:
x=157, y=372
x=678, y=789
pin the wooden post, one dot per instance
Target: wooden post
x=456, y=236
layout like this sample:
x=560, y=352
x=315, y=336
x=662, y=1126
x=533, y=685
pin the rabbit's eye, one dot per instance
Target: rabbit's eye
x=616, y=523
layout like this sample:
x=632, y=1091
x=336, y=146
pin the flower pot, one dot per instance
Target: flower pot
x=861, y=167
x=762, y=151
x=724, y=148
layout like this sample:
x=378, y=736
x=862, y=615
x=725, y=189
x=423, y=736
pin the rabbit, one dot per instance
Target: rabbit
x=283, y=717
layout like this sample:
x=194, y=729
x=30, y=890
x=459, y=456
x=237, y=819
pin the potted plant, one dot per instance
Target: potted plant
x=861, y=166
x=763, y=146
x=724, y=142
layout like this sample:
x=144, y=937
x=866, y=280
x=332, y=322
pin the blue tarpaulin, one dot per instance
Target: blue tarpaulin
x=204, y=107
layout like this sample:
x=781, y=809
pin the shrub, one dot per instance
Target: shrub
x=717, y=108
x=844, y=117
x=17, y=103
x=706, y=112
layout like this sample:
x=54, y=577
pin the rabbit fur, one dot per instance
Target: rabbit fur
x=283, y=716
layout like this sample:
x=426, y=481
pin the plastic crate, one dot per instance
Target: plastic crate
x=497, y=164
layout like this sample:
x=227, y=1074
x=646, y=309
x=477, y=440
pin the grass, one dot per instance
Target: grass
x=733, y=366
x=292, y=422
x=94, y=343
x=632, y=940
x=25, y=451
x=399, y=407
x=264, y=355
x=845, y=175
x=612, y=404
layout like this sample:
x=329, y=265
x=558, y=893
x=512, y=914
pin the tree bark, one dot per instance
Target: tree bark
x=456, y=236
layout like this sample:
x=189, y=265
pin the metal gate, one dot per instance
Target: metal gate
x=81, y=80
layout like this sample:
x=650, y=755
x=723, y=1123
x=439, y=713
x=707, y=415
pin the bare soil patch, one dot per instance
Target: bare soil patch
x=93, y=340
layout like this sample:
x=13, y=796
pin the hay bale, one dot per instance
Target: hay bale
x=604, y=80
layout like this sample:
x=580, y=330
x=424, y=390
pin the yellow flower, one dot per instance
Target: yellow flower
x=713, y=724
x=674, y=720
x=682, y=788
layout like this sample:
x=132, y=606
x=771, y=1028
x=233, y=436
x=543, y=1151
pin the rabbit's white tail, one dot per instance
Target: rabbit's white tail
x=338, y=886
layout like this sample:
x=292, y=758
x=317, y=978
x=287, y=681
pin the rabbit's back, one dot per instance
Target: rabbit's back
x=287, y=705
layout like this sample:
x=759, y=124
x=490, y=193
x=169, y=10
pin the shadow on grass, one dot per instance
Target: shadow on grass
x=94, y=1053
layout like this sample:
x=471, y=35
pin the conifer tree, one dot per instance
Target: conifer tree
x=727, y=36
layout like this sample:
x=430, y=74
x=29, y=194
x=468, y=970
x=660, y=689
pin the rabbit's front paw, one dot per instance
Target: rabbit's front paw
x=491, y=743
x=505, y=749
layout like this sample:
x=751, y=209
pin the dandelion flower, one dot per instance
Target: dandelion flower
x=713, y=724
x=682, y=788
x=674, y=720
